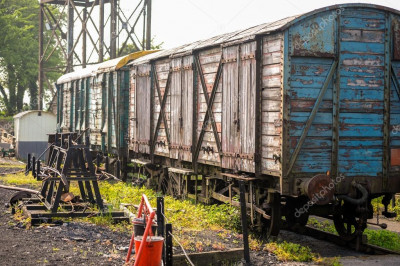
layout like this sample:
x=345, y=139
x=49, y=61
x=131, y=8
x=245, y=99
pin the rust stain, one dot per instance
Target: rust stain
x=319, y=71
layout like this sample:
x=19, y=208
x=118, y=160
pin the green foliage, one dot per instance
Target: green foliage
x=20, y=179
x=286, y=251
x=19, y=47
x=383, y=238
x=182, y=213
x=325, y=225
x=379, y=207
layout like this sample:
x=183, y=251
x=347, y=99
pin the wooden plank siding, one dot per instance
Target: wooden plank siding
x=66, y=102
x=361, y=85
x=306, y=80
x=95, y=112
x=113, y=110
x=271, y=104
x=132, y=128
x=176, y=106
x=187, y=109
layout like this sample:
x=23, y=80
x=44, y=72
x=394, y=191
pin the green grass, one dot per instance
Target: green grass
x=181, y=213
x=5, y=165
x=286, y=251
x=290, y=252
x=20, y=179
x=386, y=239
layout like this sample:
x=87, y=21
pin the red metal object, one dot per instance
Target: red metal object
x=395, y=157
x=149, y=213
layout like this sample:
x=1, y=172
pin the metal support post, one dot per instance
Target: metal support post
x=101, y=31
x=40, y=78
x=168, y=243
x=113, y=29
x=148, y=26
x=244, y=222
x=70, y=38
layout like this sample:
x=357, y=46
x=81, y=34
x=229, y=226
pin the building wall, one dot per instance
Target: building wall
x=35, y=148
x=31, y=131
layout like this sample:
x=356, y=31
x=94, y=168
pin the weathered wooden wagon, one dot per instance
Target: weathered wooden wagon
x=305, y=110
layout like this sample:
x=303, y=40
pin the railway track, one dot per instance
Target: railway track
x=359, y=244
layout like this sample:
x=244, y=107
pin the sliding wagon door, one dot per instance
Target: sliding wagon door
x=247, y=105
x=143, y=92
x=238, y=111
x=181, y=108
x=230, y=108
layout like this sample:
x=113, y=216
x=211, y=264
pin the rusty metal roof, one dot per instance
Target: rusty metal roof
x=248, y=33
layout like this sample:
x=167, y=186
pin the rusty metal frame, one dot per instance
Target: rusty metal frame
x=210, y=101
x=80, y=12
x=163, y=100
x=386, y=106
x=310, y=119
x=258, y=106
x=195, y=119
x=285, y=187
x=336, y=107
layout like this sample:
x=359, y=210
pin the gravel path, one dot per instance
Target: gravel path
x=69, y=244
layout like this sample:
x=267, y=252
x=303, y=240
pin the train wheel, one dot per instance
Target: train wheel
x=273, y=225
x=293, y=217
x=346, y=224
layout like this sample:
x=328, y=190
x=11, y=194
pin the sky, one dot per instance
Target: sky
x=178, y=22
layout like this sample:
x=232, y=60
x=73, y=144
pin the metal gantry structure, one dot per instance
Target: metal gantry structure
x=78, y=30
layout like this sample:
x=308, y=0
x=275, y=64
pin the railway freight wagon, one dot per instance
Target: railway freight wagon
x=94, y=101
x=304, y=111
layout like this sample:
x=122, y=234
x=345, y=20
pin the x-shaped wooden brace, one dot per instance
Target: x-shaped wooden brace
x=210, y=102
x=163, y=100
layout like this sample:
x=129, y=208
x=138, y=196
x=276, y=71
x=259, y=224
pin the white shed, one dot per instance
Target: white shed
x=31, y=129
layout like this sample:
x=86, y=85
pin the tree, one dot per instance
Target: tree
x=19, y=49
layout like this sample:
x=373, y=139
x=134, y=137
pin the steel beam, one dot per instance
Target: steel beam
x=148, y=26
x=101, y=31
x=113, y=29
x=84, y=39
x=70, y=37
x=40, y=78
x=84, y=24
